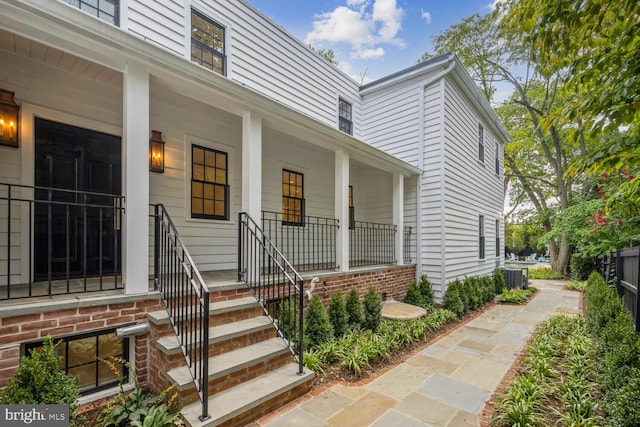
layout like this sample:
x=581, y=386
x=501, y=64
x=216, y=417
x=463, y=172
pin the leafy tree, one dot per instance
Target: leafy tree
x=354, y=309
x=327, y=54
x=337, y=313
x=594, y=45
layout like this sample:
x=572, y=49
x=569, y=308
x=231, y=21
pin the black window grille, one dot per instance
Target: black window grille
x=208, y=43
x=345, y=116
x=107, y=10
x=82, y=356
x=209, y=183
x=352, y=210
x=292, y=198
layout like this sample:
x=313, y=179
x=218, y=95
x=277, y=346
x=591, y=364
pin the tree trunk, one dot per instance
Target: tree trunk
x=560, y=256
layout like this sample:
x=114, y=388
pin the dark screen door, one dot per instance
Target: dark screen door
x=76, y=232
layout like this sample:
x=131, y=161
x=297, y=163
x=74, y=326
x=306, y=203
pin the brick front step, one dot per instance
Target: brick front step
x=250, y=400
x=232, y=368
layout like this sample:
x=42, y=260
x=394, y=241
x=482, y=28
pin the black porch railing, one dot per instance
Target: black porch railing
x=274, y=282
x=309, y=246
x=623, y=268
x=55, y=241
x=371, y=243
x=408, y=235
x=186, y=298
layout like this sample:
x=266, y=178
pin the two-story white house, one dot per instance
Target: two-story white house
x=160, y=160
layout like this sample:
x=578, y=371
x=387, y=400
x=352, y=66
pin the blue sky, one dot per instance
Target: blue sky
x=373, y=38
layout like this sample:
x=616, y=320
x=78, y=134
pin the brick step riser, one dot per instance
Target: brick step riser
x=233, y=379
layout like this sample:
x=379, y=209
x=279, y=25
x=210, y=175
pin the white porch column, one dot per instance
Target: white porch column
x=252, y=165
x=398, y=215
x=342, y=208
x=135, y=235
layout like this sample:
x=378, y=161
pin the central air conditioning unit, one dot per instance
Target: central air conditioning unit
x=514, y=278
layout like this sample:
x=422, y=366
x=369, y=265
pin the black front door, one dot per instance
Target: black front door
x=76, y=232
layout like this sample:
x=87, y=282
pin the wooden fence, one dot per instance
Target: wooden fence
x=623, y=269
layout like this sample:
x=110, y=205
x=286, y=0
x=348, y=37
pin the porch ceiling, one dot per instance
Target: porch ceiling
x=52, y=57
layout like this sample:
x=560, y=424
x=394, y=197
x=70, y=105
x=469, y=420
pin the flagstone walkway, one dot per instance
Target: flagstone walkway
x=444, y=385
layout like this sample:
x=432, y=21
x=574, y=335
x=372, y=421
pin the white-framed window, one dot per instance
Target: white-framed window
x=497, y=159
x=498, y=245
x=208, y=46
x=107, y=10
x=345, y=116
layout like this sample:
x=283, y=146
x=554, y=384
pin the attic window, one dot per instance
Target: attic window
x=480, y=143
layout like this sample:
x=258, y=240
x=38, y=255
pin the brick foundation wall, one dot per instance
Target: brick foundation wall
x=24, y=328
x=389, y=283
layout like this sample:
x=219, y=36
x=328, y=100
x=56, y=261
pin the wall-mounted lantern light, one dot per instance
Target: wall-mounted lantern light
x=156, y=152
x=9, y=119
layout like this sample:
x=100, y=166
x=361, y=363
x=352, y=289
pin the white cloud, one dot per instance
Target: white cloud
x=425, y=15
x=362, y=24
x=368, y=53
x=493, y=5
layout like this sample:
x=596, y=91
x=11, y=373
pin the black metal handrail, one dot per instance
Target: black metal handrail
x=309, y=246
x=71, y=240
x=186, y=297
x=408, y=234
x=274, y=282
x=371, y=243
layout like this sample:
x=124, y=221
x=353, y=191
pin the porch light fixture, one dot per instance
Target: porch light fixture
x=9, y=119
x=156, y=152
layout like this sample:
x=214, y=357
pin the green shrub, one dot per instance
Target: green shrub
x=498, y=281
x=354, y=309
x=465, y=296
x=452, y=300
x=288, y=319
x=473, y=290
x=317, y=327
x=39, y=380
x=544, y=273
x=413, y=295
x=338, y=315
x=617, y=347
x=372, y=304
x=426, y=291
x=581, y=266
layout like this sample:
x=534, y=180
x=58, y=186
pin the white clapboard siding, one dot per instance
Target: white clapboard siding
x=146, y=17
x=471, y=189
x=261, y=55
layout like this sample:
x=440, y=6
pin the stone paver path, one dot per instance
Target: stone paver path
x=445, y=384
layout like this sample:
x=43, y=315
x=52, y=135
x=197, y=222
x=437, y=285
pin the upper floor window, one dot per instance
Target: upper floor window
x=497, y=159
x=81, y=358
x=345, y=123
x=209, y=183
x=207, y=43
x=481, y=236
x=107, y=10
x=480, y=143
x=292, y=198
